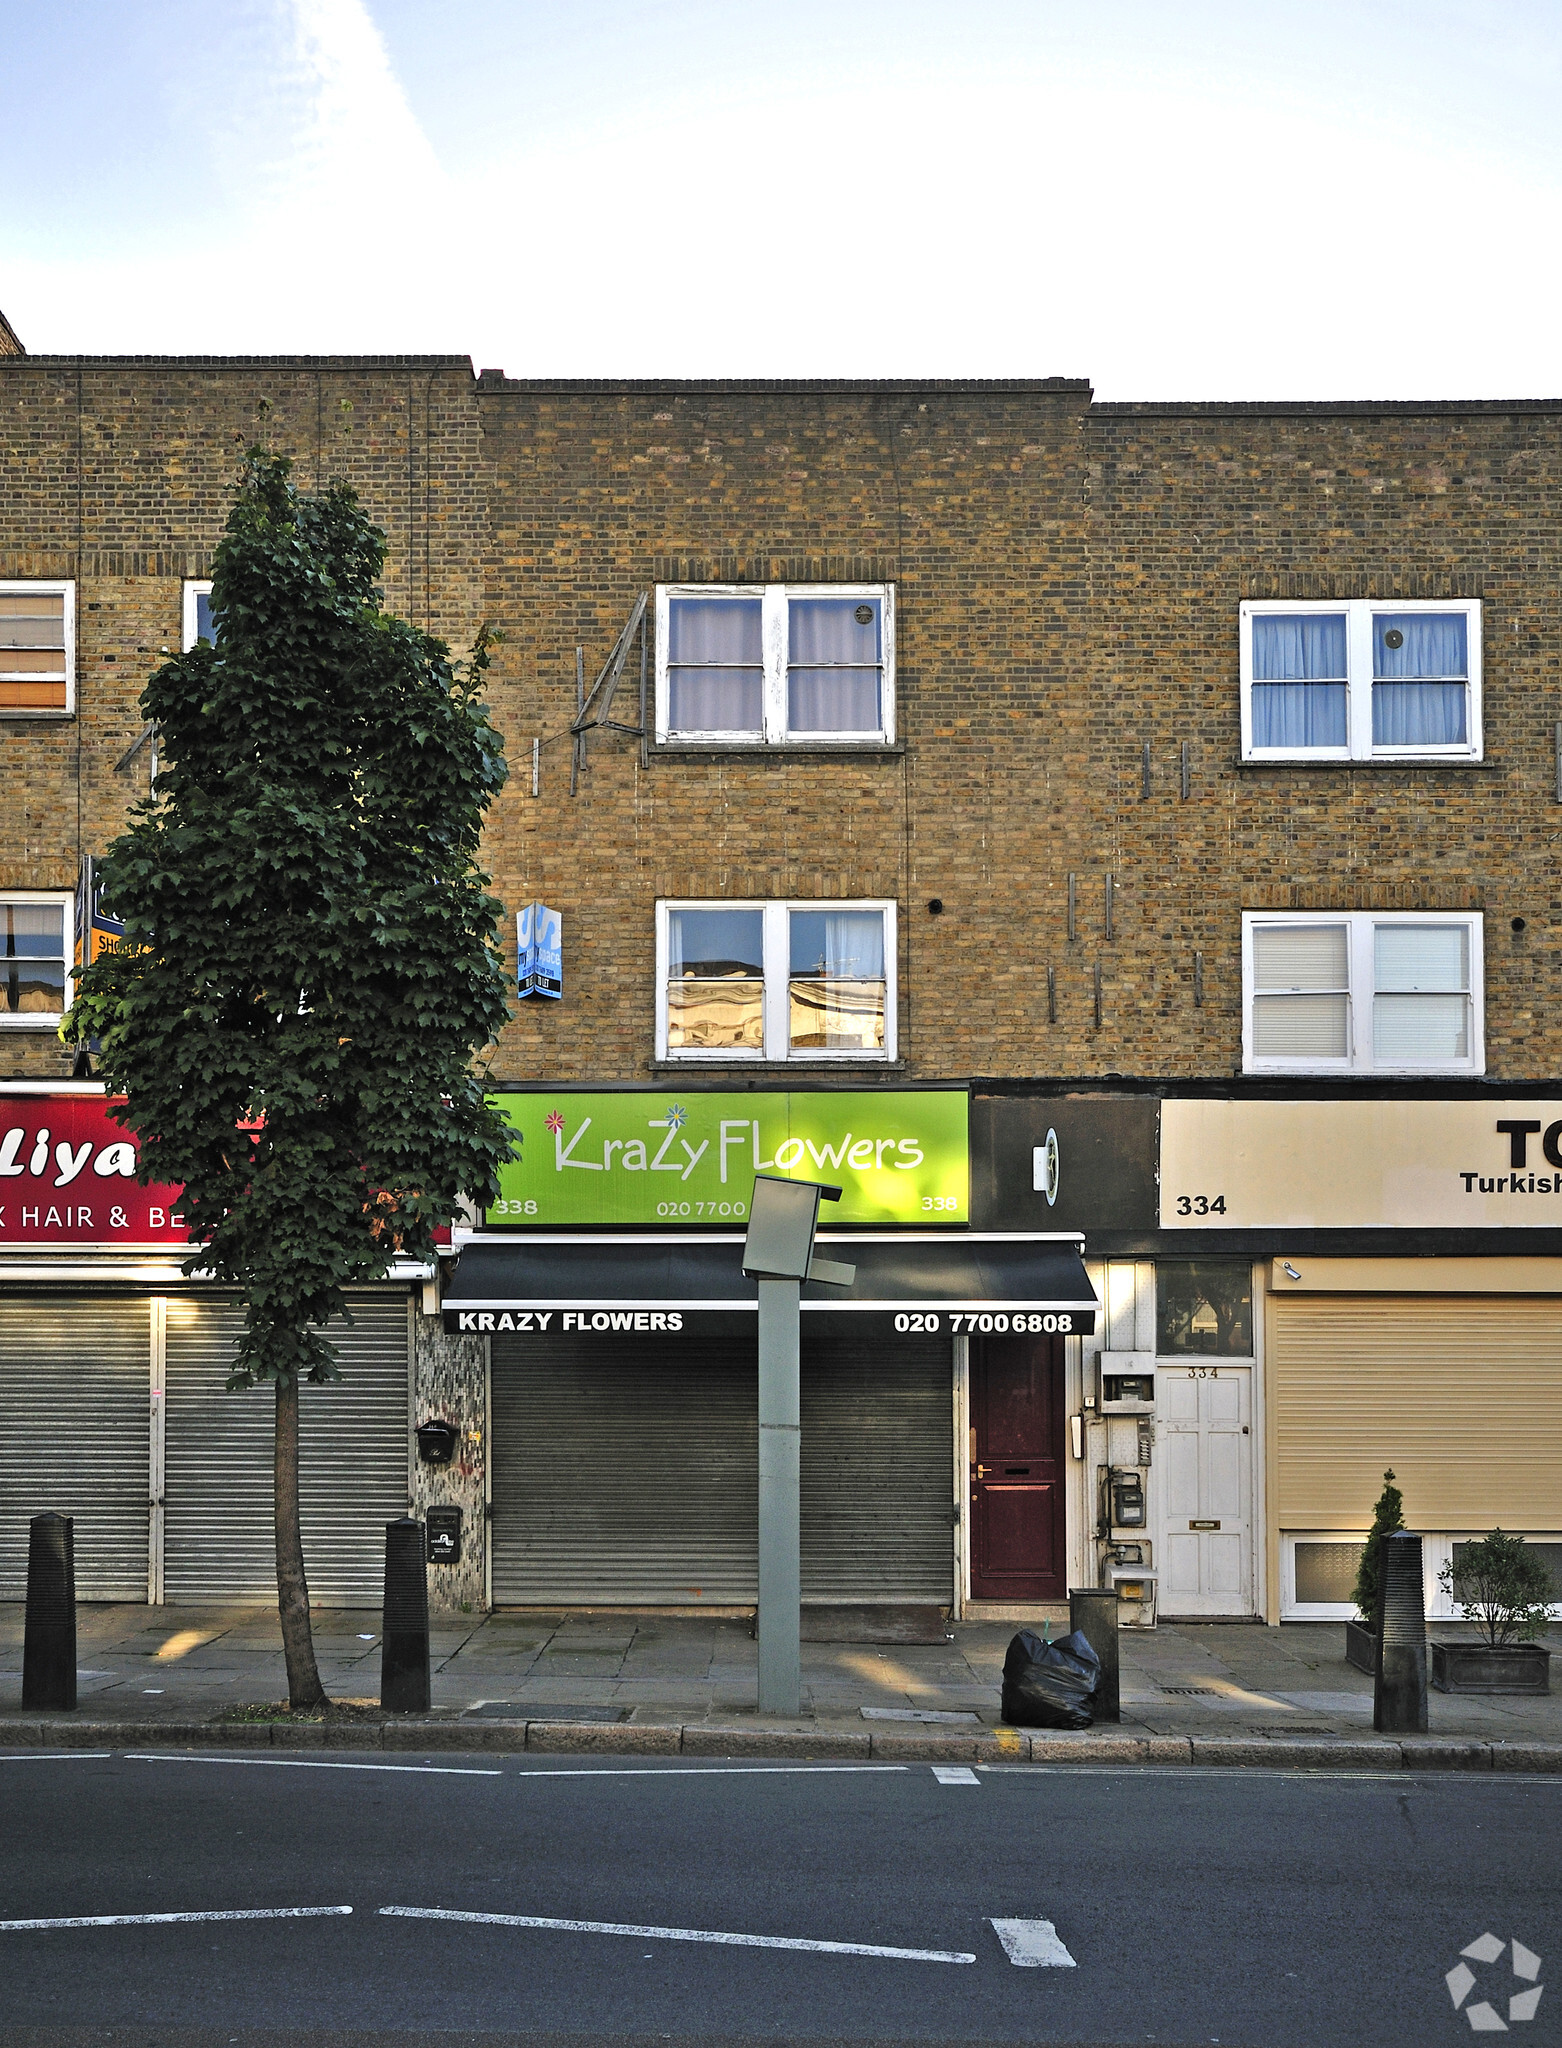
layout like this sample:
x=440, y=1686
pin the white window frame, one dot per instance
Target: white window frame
x=777, y=961
x=47, y=1020
x=1437, y=1549
x=63, y=586
x=194, y=587
x=1361, y=926
x=1359, y=612
x=774, y=599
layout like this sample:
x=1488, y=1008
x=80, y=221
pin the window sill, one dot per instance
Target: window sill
x=49, y=1024
x=42, y=711
x=1367, y=1074
x=1334, y=764
x=772, y=750
x=715, y=1064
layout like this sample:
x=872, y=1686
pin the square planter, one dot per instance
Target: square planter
x=1477, y=1667
x=1361, y=1646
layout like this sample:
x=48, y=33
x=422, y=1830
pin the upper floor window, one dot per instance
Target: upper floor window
x=775, y=981
x=1395, y=992
x=1361, y=681
x=802, y=664
x=36, y=943
x=37, y=647
x=198, y=614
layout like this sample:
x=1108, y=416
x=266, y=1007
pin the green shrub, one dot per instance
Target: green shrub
x=1503, y=1585
x=1387, y=1516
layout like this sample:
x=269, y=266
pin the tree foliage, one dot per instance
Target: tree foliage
x=1502, y=1584
x=310, y=962
x=1387, y=1516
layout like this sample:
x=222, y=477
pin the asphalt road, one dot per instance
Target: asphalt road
x=1196, y=1906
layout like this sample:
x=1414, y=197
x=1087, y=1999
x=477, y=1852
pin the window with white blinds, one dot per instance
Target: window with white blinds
x=1356, y=680
x=1361, y=992
x=37, y=648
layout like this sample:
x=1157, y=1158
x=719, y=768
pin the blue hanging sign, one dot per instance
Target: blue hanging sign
x=539, y=951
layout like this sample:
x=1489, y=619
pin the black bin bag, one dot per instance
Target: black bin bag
x=1049, y=1685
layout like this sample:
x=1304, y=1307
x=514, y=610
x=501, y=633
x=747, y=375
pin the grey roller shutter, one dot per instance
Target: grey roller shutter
x=75, y=1436
x=624, y=1476
x=218, y=1529
x=877, y=1466
x=628, y=1474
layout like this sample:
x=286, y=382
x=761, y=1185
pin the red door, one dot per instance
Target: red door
x=1016, y=1451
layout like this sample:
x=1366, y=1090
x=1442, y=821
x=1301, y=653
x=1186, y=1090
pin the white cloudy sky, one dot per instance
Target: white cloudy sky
x=1197, y=198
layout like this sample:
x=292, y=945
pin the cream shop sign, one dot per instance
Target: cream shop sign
x=1492, y=1164
x=68, y=1177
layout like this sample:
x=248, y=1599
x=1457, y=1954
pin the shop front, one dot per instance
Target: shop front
x=115, y=1412
x=622, y=1357
x=1297, y=1293
x=1408, y=1290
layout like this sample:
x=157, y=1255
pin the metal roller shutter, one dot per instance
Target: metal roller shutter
x=218, y=1528
x=629, y=1476
x=1462, y=1396
x=75, y=1398
x=878, y=1464
x=624, y=1477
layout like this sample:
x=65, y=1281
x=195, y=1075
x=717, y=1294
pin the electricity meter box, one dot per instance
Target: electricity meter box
x=1128, y=1383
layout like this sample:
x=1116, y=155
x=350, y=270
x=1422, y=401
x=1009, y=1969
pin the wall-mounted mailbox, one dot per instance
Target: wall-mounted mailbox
x=436, y=1442
x=444, y=1535
x=1127, y=1382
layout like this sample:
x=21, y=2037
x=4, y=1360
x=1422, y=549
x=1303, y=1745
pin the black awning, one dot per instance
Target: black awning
x=982, y=1281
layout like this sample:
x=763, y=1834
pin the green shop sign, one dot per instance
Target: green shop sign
x=897, y=1156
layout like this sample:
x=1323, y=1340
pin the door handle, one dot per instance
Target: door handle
x=981, y=1471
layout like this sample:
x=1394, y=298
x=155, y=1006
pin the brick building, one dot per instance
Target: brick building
x=1161, y=793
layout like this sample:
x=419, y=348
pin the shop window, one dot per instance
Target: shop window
x=1361, y=681
x=37, y=649
x=776, y=665
x=776, y=981
x=36, y=939
x=1369, y=992
x=1204, y=1306
x=198, y=614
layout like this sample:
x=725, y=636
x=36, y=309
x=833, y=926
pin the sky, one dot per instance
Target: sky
x=1261, y=200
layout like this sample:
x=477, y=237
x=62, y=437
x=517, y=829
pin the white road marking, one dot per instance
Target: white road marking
x=955, y=1774
x=58, y=1756
x=302, y=1763
x=1033, y=1945
x=176, y=1919
x=828, y=1948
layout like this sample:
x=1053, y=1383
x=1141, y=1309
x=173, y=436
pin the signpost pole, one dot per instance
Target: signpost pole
x=780, y=1521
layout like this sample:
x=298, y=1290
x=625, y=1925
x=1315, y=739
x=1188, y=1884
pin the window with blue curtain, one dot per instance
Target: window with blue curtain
x=716, y=665
x=1420, y=679
x=1301, y=682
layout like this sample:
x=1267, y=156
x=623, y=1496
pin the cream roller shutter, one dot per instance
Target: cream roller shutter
x=1460, y=1394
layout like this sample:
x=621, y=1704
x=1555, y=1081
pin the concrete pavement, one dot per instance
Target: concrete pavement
x=637, y=1677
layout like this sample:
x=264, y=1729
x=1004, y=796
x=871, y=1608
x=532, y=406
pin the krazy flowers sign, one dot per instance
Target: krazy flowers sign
x=68, y=1177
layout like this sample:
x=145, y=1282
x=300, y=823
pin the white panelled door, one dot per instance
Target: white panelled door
x=1204, y=1448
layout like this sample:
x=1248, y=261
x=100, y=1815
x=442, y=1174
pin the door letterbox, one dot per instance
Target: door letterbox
x=436, y=1442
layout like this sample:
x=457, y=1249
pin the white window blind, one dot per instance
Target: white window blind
x=1363, y=992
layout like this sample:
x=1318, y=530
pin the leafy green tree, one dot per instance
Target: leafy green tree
x=1387, y=1516
x=310, y=963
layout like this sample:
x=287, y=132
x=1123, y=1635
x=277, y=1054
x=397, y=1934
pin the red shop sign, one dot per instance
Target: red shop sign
x=68, y=1177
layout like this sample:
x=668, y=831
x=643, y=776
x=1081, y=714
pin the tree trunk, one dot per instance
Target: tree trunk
x=298, y=1644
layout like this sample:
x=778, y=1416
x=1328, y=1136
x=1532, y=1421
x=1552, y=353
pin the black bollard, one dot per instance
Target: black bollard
x=49, y=1641
x=1094, y=1614
x=1399, y=1683
x=404, y=1666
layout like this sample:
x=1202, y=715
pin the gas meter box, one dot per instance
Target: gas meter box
x=1128, y=1383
